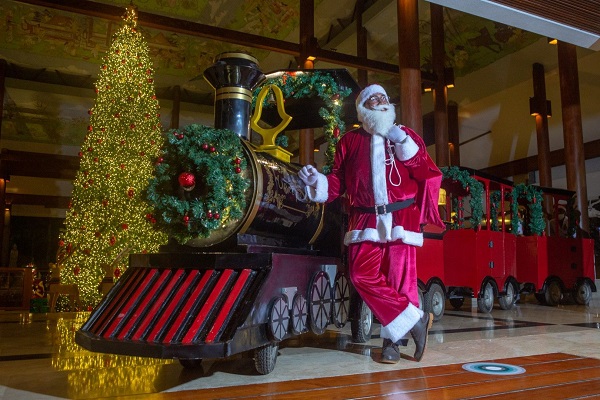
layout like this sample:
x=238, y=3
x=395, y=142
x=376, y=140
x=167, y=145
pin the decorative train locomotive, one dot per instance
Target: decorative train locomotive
x=263, y=272
x=275, y=268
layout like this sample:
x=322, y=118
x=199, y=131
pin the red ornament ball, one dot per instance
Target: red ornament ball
x=117, y=272
x=238, y=170
x=76, y=271
x=205, y=146
x=217, y=216
x=187, y=180
x=124, y=226
x=336, y=132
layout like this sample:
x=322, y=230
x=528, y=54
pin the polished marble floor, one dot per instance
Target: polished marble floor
x=40, y=360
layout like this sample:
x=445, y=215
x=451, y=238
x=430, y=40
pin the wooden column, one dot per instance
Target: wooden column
x=453, y=134
x=361, y=43
x=572, y=127
x=540, y=109
x=306, y=140
x=541, y=124
x=176, y=107
x=409, y=63
x=2, y=167
x=440, y=91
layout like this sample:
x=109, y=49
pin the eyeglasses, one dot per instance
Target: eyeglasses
x=378, y=99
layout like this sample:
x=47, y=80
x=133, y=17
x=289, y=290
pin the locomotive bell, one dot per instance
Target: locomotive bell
x=234, y=75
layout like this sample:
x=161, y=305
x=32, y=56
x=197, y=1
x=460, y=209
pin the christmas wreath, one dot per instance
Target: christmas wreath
x=534, y=199
x=302, y=84
x=475, y=189
x=198, y=184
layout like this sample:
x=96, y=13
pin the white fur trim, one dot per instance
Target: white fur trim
x=320, y=192
x=402, y=324
x=378, y=175
x=373, y=235
x=407, y=150
x=368, y=92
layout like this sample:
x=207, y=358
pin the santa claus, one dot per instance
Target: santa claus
x=392, y=186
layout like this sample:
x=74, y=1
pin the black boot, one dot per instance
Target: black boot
x=420, y=332
x=390, y=354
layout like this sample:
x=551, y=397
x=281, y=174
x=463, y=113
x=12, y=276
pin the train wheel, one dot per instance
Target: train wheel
x=341, y=300
x=508, y=299
x=553, y=293
x=362, y=324
x=435, y=301
x=485, y=302
x=279, y=318
x=319, y=302
x=457, y=302
x=299, y=314
x=265, y=358
x=583, y=293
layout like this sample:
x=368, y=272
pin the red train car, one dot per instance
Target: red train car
x=431, y=275
x=560, y=262
x=479, y=250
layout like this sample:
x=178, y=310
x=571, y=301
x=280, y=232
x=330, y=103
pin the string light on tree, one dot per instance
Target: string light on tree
x=106, y=219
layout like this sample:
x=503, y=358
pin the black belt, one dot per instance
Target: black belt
x=386, y=208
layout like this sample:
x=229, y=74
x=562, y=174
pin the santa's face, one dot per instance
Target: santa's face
x=376, y=114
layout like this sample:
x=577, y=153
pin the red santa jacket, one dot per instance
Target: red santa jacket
x=372, y=171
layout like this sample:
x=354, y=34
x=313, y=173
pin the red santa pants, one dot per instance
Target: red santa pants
x=385, y=277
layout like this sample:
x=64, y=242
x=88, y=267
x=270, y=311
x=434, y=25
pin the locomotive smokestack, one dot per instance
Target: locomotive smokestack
x=234, y=76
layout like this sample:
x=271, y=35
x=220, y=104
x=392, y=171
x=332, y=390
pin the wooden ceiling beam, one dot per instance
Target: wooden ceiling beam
x=37, y=200
x=110, y=12
x=529, y=164
x=40, y=165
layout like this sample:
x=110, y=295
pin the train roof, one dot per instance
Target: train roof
x=305, y=111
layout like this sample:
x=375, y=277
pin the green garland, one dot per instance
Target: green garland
x=533, y=195
x=475, y=189
x=301, y=84
x=210, y=162
x=494, y=207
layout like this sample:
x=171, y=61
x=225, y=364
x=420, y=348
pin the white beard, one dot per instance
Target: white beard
x=377, y=121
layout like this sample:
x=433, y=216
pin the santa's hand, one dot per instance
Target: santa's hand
x=308, y=174
x=396, y=134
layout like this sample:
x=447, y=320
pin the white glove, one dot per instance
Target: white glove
x=308, y=174
x=396, y=134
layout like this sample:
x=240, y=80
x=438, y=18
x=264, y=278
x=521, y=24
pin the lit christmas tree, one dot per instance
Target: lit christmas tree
x=108, y=217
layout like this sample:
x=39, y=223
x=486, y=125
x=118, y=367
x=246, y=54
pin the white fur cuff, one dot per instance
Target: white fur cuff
x=320, y=192
x=407, y=150
x=402, y=324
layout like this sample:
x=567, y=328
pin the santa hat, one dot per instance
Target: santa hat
x=368, y=92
